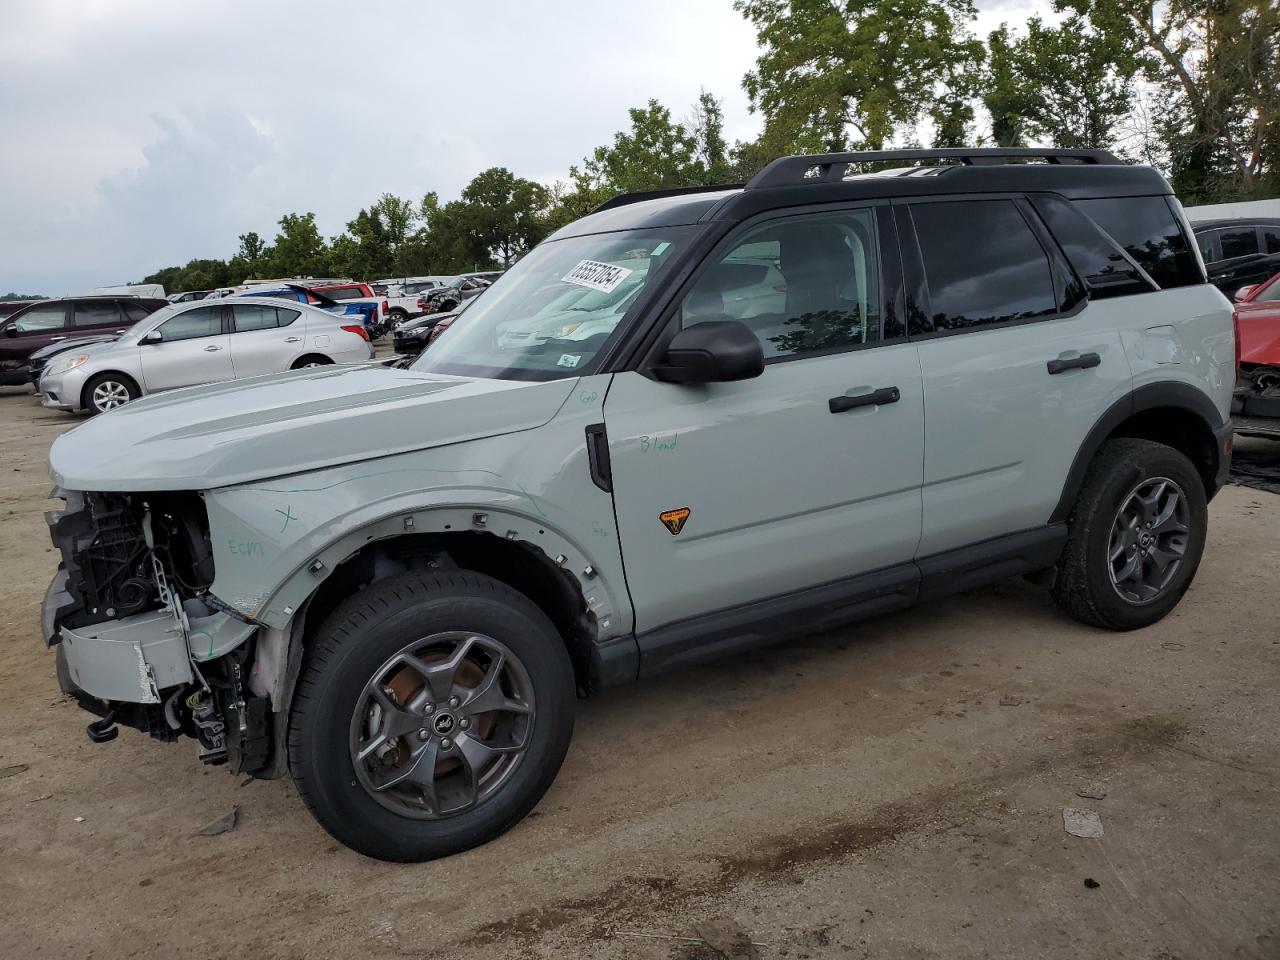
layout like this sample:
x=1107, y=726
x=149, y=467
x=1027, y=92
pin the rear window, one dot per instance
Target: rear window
x=1150, y=233
x=1103, y=266
x=343, y=293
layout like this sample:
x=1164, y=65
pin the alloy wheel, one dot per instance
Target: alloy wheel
x=442, y=725
x=110, y=394
x=1148, y=540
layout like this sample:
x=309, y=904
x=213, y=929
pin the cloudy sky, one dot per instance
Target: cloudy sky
x=142, y=133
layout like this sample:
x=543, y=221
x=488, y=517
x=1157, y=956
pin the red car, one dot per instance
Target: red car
x=1257, y=400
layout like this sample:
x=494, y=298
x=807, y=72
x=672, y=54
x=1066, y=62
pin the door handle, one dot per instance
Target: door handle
x=1082, y=362
x=292, y=339
x=212, y=348
x=872, y=399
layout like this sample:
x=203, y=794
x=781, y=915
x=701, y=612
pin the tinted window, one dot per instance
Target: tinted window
x=983, y=264
x=1271, y=238
x=285, y=316
x=1204, y=240
x=1106, y=271
x=1146, y=228
x=1238, y=242
x=803, y=285
x=48, y=316
x=199, y=322
x=90, y=313
x=135, y=312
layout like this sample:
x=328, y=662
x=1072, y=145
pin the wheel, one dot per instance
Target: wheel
x=1137, y=532
x=398, y=316
x=432, y=714
x=107, y=391
x=312, y=360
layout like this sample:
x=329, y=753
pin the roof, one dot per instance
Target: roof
x=791, y=181
x=1226, y=212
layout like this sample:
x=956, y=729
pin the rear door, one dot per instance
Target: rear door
x=1017, y=366
x=264, y=338
x=194, y=349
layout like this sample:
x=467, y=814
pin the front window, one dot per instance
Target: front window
x=551, y=314
x=50, y=316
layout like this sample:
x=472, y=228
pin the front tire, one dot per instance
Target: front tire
x=107, y=391
x=432, y=714
x=1137, y=533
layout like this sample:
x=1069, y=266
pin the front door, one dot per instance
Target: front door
x=25, y=333
x=193, y=349
x=729, y=493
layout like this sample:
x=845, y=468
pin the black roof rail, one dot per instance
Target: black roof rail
x=622, y=199
x=789, y=171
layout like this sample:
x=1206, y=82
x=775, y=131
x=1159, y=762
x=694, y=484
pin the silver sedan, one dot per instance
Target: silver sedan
x=188, y=344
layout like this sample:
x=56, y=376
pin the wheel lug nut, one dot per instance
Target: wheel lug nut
x=424, y=734
x=454, y=701
x=428, y=707
x=446, y=744
x=464, y=723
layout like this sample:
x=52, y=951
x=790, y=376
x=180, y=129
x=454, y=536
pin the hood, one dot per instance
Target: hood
x=236, y=432
x=80, y=343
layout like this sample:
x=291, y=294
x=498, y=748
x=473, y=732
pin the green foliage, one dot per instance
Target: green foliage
x=22, y=296
x=299, y=250
x=1067, y=86
x=877, y=67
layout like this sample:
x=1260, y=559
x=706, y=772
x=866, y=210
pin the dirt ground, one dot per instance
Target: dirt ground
x=895, y=790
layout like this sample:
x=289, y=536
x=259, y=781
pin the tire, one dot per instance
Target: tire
x=354, y=654
x=106, y=391
x=311, y=360
x=1115, y=570
x=398, y=315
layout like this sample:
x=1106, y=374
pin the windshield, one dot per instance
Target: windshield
x=549, y=316
x=1270, y=293
x=146, y=323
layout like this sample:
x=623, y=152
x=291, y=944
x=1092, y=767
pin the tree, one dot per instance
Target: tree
x=706, y=126
x=654, y=154
x=501, y=215
x=299, y=250
x=1218, y=65
x=1069, y=86
x=876, y=66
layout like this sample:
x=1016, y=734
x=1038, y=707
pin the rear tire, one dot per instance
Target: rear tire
x=365, y=692
x=1137, y=533
x=106, y=391
x=311, y=360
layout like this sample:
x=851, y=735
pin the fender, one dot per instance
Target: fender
x=1148, y=397
x=314, y=558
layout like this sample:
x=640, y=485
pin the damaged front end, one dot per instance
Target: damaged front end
x=139, y=639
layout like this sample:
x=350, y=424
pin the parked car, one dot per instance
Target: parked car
x=52, y=321
x=413, y=335
x=402, y=295
x=449, y=297
x=392, y=582
x=186, y=345
x=1257, y=399
x=345, y=299
x=1239, y=252
x=187, y=296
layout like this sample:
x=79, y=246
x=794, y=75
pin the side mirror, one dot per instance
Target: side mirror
x=714, y=351
x=11, y=330
x=155, y=336
x=1244, y=292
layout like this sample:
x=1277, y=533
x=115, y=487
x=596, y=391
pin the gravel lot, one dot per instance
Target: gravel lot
x=895, y=790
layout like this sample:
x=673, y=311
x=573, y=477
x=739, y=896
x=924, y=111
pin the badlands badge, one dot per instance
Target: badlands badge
x=674, y=520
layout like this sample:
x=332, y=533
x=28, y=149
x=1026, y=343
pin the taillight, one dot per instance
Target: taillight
x=386, y=307
x=356, y=328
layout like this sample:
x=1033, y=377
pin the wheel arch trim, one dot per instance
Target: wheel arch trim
x=1151, y=396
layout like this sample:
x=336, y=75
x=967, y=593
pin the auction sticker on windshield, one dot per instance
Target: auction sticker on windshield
x=596, y=275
